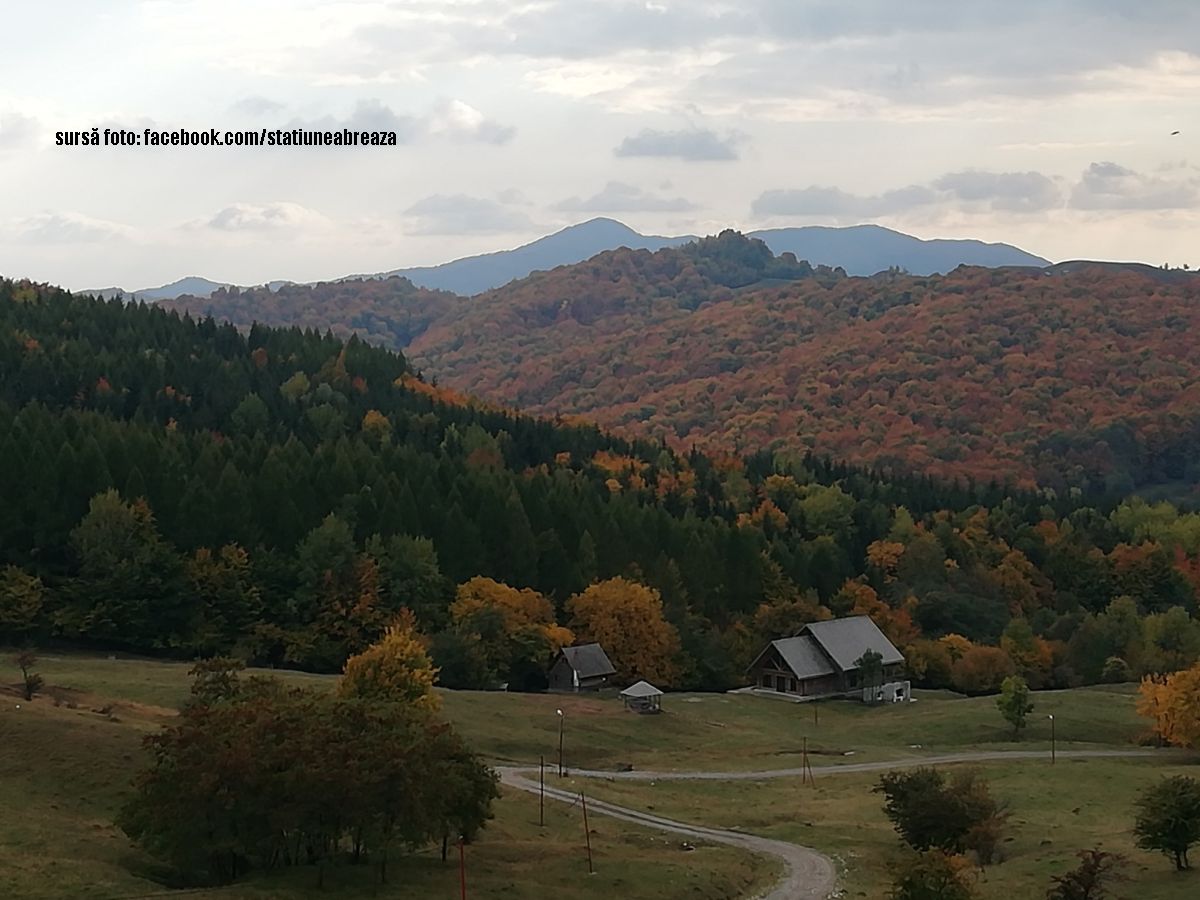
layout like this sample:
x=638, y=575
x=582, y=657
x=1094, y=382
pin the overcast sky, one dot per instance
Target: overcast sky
x=1045, y=124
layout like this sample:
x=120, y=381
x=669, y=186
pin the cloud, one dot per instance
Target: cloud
x=461, y=214
x=68, y=228
x=619, y=197
x=1107, y=185
x=1012, y=191
x=971, y=190
x=257, y=106
x=451, y=119
x=368, y=115
x=696, y=144
x=462, y=122
x=17, y=130
x=265, y=217
x=837, y=203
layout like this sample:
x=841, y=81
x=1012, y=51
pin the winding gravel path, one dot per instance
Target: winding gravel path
x=882, y=766
x=810, y=875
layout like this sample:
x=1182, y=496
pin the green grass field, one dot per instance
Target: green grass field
x=696, y=731
x=65, y=772
x=68, y=768
x=1055, y=811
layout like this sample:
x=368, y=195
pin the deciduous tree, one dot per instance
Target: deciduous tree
x=626, y=619
x=1091, y=879
x=1168, y=818
x=395, y=668
x=933, y=875
x=1014, y=703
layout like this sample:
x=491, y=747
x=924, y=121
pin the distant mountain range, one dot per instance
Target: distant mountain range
x=860, y=250
x=1080, y=374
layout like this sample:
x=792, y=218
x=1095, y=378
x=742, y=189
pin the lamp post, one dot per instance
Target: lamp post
x=1053, y=751
x=561, y=719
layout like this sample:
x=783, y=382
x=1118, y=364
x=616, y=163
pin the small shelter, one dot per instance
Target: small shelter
x=582, y=668
x=642, y=697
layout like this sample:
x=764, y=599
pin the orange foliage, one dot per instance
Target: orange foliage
x=981, y=669
x=885, y=556
x=626, y=619
x=518, y=609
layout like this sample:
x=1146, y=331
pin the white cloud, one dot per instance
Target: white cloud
x=463, y=214
x=693, y=144
x=460, y=121
x=972, y=189
x=619, y=197
x=257, y=106
x=17, y=130
x=67, y=228
x=266, y=217
x=1109, y=186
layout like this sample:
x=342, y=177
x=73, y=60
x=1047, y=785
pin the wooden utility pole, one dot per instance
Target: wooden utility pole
x=542, y=792
x=816, y=717
x=806, y=769
x=561, y=719
x=587, y=834
x=462, y=867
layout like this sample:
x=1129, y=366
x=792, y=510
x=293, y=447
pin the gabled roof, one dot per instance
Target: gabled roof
x=846, y=640
x=641, y=689
x=588, y=661
x=802, y=655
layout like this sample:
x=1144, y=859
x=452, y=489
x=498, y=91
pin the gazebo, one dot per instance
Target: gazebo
x=642, y=697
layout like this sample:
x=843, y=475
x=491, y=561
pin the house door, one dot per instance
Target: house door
x=781, y=684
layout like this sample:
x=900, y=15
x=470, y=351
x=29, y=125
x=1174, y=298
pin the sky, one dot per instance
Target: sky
x=1043, y=124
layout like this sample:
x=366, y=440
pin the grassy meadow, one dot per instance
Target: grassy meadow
x=66, y=770
x=1056, y=810
x=70, y=759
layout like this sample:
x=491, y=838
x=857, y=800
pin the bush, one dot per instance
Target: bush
x=932, y=813
x=981, y=670
x=1116, y=671
x=1087, y=881
x=1168, y=818
x=933, y=875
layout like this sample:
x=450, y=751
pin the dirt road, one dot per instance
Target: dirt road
x=810, y=875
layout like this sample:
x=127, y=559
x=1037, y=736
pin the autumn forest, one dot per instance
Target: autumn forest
x=152, y=464
x=1072, y=377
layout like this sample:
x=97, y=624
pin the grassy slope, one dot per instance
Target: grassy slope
x=65, y=771
x=698, y=731
x=1055, y=811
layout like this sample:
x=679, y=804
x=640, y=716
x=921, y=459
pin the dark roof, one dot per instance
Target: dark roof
x=846, y=640
x=588, y=661
x=802, y=655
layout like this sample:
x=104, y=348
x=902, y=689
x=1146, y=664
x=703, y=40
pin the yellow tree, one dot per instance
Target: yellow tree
x=1173, y=703
x=626, y=619
x=956, y=645
x=396, y=668
x=515, y=629
x=884, y=557
x=518, y=609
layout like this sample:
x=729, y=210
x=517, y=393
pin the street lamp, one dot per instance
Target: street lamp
x=1052, y=747
x=561, y=720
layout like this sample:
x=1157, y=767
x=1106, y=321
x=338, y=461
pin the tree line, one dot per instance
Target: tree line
x=179, y=487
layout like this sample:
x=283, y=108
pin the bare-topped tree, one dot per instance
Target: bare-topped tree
x=32, y=681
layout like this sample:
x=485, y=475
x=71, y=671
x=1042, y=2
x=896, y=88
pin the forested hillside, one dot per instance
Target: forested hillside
x=1086, y=377
x=176, y=486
